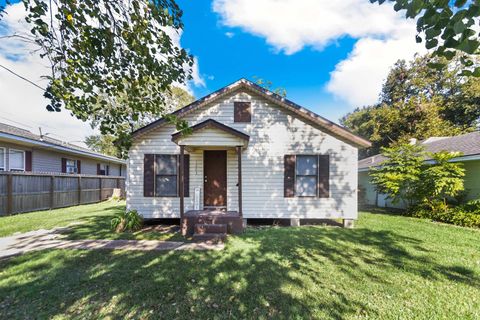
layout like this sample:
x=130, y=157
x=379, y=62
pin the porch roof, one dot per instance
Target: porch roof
x=211, y=133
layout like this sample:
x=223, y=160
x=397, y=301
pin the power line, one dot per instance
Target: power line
x=23, y=78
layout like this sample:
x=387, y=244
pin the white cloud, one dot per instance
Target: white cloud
x=290, y=25
x=229, y=34
x=358, y=79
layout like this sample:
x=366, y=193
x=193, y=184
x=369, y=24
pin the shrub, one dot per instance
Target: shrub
x=467, y=215
x=127, y=221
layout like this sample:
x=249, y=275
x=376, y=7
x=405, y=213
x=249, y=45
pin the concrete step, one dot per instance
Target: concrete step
x=210, y=237
x=202, y=228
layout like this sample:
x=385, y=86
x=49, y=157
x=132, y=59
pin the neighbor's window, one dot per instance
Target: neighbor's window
x=16, y=159
x=306, y=176
x=104, y=169
x=3, y=159
x=71, y=166
x=166, y=175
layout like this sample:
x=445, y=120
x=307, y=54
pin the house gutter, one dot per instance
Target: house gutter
x=60, y=148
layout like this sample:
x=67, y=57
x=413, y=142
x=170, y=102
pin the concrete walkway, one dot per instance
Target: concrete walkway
x=51, y=239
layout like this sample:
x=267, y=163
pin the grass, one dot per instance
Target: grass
x=388, y=267
x=85, y=222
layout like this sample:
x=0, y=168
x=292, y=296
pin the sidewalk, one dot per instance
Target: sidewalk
x=51, y=239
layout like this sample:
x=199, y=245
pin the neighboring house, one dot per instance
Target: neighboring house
x=468, y=144
x=251, y=154
x=21, y=150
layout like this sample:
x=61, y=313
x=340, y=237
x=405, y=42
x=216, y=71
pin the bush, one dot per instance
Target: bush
x=467, y=215
x=127, y=221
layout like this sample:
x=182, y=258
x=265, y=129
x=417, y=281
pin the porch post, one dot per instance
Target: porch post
x=239, y=156
x=181, y=182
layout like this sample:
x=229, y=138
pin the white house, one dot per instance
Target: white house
x=250, y=154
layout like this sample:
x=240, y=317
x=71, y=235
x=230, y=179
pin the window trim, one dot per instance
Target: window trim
x=106, y=170
x=4, y=168
x=165, y=175
x=9, y=162
x=301, y=175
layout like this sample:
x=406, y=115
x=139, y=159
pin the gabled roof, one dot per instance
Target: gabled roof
x=210, y=123
x=22, y=136
x=327, y=125
x=468, y=144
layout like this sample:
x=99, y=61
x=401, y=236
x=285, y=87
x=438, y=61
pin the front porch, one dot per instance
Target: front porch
x=211, y=224
x=216, y=209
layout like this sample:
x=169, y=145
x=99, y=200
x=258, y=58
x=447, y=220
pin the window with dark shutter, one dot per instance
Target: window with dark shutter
x=149, y=175
x=28, y=160
x=166, y=182
x=307, y=176
x=186, y=177
x=323, y=176
x=289, y=176
x=242, y=111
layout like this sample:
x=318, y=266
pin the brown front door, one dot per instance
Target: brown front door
x=215, y=178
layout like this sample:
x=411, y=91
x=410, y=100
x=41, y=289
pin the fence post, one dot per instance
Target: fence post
x=52, y=192
x=79, y=182
x=100, y=188
x=9, y=194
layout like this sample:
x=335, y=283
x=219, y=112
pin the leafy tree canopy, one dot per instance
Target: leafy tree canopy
x=406, y=176
x=111, y=61
x=419, y=102
x=176, y=98
x=446, y=26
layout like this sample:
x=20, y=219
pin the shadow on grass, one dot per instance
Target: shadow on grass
x=269, y=273
x=99, y=227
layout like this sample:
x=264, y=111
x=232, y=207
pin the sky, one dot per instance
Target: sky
x=330, y=56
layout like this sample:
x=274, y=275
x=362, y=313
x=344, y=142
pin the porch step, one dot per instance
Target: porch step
x=202, y=228
x=210, y=237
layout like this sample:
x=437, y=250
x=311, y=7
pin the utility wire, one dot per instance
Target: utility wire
x=23, y=78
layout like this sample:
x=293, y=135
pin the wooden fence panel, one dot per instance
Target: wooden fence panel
x=30, y=193
x=90, y=190
x=26, y=191
x=3, y=194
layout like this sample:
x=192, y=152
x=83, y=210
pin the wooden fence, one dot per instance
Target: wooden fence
x=26, y=191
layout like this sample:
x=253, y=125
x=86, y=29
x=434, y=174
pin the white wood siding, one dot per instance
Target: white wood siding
x=273, y=132
x=211, y=137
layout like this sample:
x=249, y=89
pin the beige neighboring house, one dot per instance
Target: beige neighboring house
x=468, y=144
x=24, y=151
x=251, y=154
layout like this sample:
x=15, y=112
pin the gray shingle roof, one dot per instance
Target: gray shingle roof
x=468, y=144
x=23, y=133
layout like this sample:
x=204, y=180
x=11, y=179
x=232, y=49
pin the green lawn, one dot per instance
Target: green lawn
x=85, y=222
x=388, y=267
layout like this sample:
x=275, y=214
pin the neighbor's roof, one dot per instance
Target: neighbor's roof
x=468, y=144
x=22, y=136
x=327, y=125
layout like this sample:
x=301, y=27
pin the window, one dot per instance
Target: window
x=242, y=112
x=71, y=166
x=104, y=169
x=306, y=175
x=16, y=159
x=166, y=175
x=3, y=159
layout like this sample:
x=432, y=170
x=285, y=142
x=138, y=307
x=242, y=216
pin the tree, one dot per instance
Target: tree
x=267, y=84
x=176, y=98
x=398, y=176
x=103, y=144
x=406, y=176
x=103, y=52
x=446, y=26
x=441, y=179
x=418, y=102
